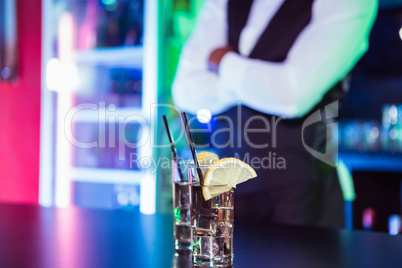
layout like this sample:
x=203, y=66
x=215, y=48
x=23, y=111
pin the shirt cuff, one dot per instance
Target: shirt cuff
x=231, y=72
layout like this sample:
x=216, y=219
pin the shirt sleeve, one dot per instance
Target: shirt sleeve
x=325, y=51
x=195, y=87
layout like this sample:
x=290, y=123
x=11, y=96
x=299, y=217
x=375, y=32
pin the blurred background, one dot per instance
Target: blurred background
x=78, y=87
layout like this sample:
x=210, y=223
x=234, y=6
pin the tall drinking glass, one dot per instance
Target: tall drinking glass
x=181, y=209
x=211, y=224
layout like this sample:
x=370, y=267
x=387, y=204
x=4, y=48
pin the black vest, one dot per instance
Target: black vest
x=284, y=161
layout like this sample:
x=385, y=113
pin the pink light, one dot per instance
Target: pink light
x=87, y=33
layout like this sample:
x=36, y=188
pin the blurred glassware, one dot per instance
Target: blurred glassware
x=352, y=135
x=391, y=125
x=368, y=219
x=399, y=128
x=371, y=133
x=369, y=136
x=394, y=224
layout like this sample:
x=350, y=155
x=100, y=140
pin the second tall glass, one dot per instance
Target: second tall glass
x=181, y=209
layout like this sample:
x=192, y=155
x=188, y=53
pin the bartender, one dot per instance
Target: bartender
x=273, y=71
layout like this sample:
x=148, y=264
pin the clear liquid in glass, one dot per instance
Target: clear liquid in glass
x=212, y=228
x=181, y=216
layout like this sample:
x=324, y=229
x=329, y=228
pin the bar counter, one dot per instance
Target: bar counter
x=34, y=236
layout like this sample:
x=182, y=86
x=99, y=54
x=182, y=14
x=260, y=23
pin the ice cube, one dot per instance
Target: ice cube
x=215, y=247
x=207, y=222
x=181, y=215
x=224, y=228
x=184, y=199
x=209, y=246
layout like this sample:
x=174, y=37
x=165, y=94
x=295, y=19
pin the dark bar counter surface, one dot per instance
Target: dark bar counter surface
x=33, y=236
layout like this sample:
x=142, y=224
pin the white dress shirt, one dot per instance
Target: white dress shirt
x=324, y=52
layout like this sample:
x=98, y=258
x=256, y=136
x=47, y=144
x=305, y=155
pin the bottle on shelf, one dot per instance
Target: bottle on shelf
x=394, y=224
x=368, y=219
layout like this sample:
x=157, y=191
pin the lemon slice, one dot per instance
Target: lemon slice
x=207, y=158
x=237, y=171
x=225, y=174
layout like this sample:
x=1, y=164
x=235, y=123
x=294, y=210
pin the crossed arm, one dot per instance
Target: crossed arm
x=212, y=77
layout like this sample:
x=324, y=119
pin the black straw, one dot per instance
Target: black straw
x=192, y=147
x=172, y=146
